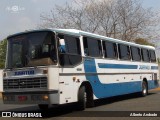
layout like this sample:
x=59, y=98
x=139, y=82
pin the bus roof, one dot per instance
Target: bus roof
x=83, y=33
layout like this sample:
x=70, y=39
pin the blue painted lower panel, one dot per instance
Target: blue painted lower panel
x=114, y=89
x=107, y=90
x=152, y=84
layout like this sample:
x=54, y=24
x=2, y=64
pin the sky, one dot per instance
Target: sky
x=20, y=15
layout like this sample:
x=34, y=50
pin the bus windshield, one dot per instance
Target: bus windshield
x=31, y=49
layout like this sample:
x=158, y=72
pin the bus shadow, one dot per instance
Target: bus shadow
x=110, y=100
x=53, y=111
x=70, y=110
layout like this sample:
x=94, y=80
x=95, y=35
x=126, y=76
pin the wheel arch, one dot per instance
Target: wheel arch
x=89, y=93
x=87, y=85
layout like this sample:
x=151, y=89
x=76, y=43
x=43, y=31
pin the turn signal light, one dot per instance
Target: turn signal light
x=45, y=97
x=5, y=98
x=45, y=71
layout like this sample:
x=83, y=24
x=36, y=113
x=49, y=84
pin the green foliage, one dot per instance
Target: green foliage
x=3, y=47
x=143, y=41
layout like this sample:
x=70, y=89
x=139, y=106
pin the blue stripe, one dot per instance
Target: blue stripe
x=152, y=84
x=107, y=90
x=154, y=67
x=117, y=66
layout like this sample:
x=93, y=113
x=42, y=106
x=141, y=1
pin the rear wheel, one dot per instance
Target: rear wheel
x=144, y=89
x=43, y=106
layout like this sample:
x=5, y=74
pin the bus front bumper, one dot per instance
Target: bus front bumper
x=31, y=97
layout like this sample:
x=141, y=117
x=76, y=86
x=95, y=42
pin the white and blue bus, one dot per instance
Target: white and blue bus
x=60, y=66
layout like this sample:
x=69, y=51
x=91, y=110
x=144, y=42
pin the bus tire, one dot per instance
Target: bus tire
x=144, y=89
x=43, y=106
x=82, y=98
x=89, y=101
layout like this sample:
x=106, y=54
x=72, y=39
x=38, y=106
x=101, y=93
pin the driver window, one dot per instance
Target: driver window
x=61, y=47
x=69, y=50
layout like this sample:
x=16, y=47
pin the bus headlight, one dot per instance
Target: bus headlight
x=5, y=98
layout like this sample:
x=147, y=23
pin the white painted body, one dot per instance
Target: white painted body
x=70, y=88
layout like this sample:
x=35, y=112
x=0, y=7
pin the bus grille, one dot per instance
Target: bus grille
x=40, y=82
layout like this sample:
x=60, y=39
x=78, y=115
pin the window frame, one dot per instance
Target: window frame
x=143, y=55
x=67, y=54
x=140, y=55
x=115, y=50
x=86, y=46
x=151, y=56
x=119, y=52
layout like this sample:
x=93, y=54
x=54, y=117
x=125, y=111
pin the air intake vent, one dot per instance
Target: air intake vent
x=39, y=82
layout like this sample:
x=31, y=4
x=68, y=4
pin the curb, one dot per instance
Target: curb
x=157, y=89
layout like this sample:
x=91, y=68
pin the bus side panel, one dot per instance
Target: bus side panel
x=65, y=88
x=115, y=79
x=152, y=84
x=70, y=80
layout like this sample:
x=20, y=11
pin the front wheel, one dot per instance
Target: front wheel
x=144, y=89
x=82, y=98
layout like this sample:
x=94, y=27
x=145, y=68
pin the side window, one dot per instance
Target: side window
x=72, y=45
x=92, y=47
x=69, y=44
x=136, y=54
x=110, y=49
x=145, y=55
x=69, y=50
x=124, y=52
x=152, y=56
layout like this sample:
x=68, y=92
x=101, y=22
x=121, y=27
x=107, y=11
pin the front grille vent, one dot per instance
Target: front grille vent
x=39, y=82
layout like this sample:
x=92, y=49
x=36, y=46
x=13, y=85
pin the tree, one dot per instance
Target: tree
x=143, y=42
x=122, y=19
x=3, y=47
